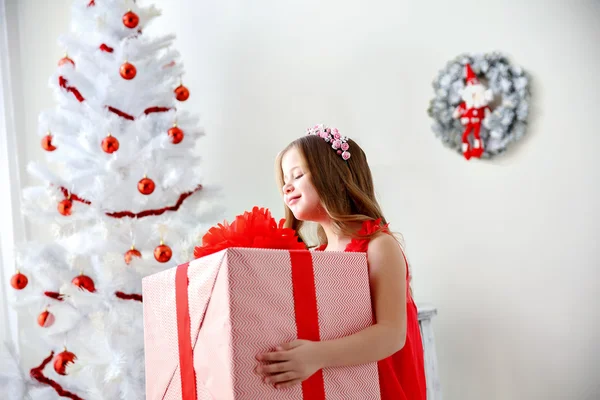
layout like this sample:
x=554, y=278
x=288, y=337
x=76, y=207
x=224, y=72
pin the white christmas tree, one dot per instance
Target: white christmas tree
x=124, y=201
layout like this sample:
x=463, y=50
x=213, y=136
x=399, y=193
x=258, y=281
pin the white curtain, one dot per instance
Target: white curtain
x=11, y=227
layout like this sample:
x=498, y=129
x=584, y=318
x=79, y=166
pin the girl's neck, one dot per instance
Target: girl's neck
x=335, y=241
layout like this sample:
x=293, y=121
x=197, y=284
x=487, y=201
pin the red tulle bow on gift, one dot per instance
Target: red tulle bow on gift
x=257, y=229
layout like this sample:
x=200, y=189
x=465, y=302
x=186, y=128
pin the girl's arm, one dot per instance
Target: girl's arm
x=387, y=270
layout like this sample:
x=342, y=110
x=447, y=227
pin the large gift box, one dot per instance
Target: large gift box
x=205, y=322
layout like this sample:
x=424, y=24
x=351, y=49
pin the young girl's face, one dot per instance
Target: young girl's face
x=299, y=194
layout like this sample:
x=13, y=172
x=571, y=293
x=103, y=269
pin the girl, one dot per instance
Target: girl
x=325, y=178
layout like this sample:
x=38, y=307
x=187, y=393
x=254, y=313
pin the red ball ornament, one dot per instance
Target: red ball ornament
x=176, y=134
x=163, y=253
x=65, y=207
x=18, y=281
x=65, y=60
x=46, y=319
x=47, y=143
x=128, y=71
x=181, y=93
x=110, y=144
x=61, y=361
x=133, y=252
x=146, y=186
x=130, y=19
x=84, y=282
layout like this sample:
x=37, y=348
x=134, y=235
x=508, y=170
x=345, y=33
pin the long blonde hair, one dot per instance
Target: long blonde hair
x=345, y=188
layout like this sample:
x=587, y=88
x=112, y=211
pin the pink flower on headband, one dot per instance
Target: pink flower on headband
x=338, y=142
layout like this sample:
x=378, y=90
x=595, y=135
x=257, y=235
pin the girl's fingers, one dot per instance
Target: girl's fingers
x=274, y=368
x=288, y=384
x=274, y=356
x=281, y=378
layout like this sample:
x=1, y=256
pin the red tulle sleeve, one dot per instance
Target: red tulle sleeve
x=368, y=228
x=256, y=229
x=371, y=226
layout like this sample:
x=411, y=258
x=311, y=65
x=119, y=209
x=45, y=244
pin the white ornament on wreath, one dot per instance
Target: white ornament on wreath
x=462, y=98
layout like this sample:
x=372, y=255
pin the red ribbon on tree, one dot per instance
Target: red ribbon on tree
x=147, y=111
x=125, y=296
x=120, y=113
x=151, y=110
x=74, y=197
x=105, y=48
x=64, y=84
x=54, y=295
x=37, y=374
x=141, y=214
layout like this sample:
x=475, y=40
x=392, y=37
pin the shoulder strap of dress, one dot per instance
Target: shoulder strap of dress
x=368, y=227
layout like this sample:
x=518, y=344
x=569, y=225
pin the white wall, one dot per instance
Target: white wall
x=505, y=249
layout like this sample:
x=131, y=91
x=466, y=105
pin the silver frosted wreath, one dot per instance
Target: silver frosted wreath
x=463, y=101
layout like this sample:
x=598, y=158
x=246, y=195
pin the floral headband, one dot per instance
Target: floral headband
x=338, y=142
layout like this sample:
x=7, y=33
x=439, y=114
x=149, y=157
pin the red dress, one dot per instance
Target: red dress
x=401, y=375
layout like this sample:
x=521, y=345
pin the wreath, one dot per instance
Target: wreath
x=481, y=104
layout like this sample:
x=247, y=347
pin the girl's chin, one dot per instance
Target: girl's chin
x=299, y=214
x=310, y=215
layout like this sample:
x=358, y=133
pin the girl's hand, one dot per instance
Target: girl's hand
x=292, y=363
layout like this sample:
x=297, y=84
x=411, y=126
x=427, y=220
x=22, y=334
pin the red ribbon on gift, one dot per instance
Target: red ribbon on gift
x=186, y=353
x=306, y=315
